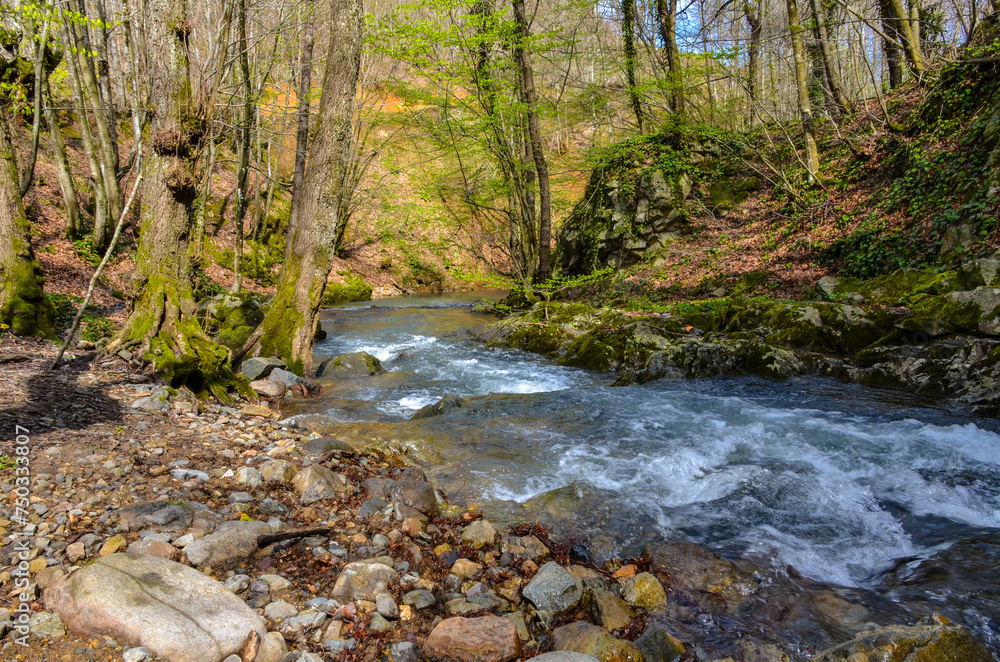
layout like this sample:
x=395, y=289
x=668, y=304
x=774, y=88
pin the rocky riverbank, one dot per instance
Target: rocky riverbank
x=932, y=333
x=165, y=528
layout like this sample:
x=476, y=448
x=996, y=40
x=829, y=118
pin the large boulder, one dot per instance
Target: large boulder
x=260, y=367
x=230, y=541
x=347, y=366
x=921, y=643
x=486, y=639
x=178, y=613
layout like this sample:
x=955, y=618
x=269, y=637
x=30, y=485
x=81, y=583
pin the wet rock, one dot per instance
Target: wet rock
x=364, y=580
x=564, y=656
x=278, y=471
x=267, y=388
x=479, y=534
x=443, y=405
x=524, y=547
x=324, y=445
x=486, y=639
x=609, y=611
x=658, y=645
x=645, y=591
x=178, y=613
x=554, y=589
x=229, y=542
x=259, y=367
x=693, y=566
x=347, y=366
x=316, y=483
x=921, y=643
x=582, y=637
x=158, y=548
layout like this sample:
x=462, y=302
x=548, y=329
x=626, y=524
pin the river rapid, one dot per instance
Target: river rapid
x=895, y=498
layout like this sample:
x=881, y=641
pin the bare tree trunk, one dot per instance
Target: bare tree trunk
x=802, y=88
x=753, y=16
x=302, y=117
x=667, y=10
x=535, y=135
x=62, y=164
x=162, y=323
x=829, y=66
x=911, y=43
x=36, y=124
x=23, y=306
x=243, y=166
x=628, y=48
x=290, y=324
x=104, y=79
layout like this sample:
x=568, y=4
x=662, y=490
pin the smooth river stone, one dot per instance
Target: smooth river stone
x=178, y=613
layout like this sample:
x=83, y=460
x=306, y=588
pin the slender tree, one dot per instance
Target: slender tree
x=802, y=90
x=245, y=137
x=23, y=306
x=535, y=137
x=667, y=11
x=63, y=172
x=292, y=317
x=302, y=111
x=827, y=57
x=752, y=11
x=628, y=50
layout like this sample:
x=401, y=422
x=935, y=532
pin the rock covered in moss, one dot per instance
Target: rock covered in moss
x=583, y=637
x=354, y=288
x=351, y=365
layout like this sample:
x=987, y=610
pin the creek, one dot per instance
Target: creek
x=894, y=498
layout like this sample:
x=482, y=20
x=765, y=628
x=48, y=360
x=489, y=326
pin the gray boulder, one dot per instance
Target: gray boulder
x=554, y=589
x=282, y=376
x=260, y=367
x=176, y=612
x=230, y=541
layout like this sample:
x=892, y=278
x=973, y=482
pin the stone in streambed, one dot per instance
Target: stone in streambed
x=645, y=591
x=610, y=611
x=278, y=471
x=229, y=542
x=486, y=639
x=554, y=589
x=316, y=483
x=267, y=388
x=582, y=637
x=479, y=534
x=364, y=580
x=658, y=645
x=324, y=445
x=564, y=656
x=176, y=612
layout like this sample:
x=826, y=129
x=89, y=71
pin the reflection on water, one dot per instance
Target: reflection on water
x=839, y=482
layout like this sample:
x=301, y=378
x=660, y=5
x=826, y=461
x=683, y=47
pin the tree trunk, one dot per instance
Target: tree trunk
x=162, y=322
x=290, y=324
x=535, y=136
x=753, y=16
x=893, y=58
x=628, y=49
x=23, y=306
x=911, y=43
x=667, y=10
x=802, y=88
x=107, y=151
x=104, y=80
x=243, y=166
x=36, y=124
x=826, y=53
x=62, y=164
x=302, y=117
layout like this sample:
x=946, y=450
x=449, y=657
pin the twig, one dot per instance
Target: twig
x=97, y=274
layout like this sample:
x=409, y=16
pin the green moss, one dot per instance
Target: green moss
x=900, y=286
x=941, y=315
x=23, y=307
x=355, y=289
x=538, y=339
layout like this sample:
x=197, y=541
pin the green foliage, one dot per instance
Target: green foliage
x=355, y=289
x=94, y=325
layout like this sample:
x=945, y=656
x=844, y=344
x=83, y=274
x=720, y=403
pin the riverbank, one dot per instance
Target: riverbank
x=119, y=490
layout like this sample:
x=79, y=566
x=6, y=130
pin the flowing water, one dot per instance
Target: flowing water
x=845, y=485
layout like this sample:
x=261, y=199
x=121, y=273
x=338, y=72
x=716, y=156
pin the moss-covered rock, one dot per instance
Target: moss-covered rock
x=353, y=289
x=354, y=364
x=897, y=288
x=236, y=322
